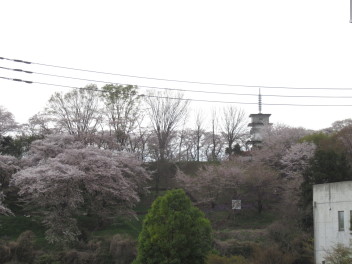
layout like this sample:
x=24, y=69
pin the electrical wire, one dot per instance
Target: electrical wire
x=175, y=89
x=174, y=98
x=175, y=80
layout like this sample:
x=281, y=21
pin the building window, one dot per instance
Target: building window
x=341, y=219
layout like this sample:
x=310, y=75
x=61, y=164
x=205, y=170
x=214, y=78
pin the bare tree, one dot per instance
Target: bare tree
x=341, y=124
x=76, y=112
x=193, y=142
x=344, y=136
x=234, y=126
x=40, y=124
x=199, y=133
x=214, y=144
x=7, y=121
x=122, y=109
x=139, y=141
x=166, y=111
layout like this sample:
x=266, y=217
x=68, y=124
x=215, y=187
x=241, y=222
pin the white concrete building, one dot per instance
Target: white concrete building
x=332, y=210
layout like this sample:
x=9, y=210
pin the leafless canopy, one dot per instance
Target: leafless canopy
x=166, y=111
x=76, y=112
x=7, y=121
x=234, y=126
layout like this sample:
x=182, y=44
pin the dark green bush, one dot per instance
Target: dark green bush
x=174, y=231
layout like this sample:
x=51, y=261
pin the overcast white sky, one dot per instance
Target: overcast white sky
x=290, y=43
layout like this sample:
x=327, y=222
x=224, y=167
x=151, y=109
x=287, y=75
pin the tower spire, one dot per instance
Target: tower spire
x=260, y=102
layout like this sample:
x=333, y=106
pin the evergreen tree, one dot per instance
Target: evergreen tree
x=326, y=166
x=174, y=232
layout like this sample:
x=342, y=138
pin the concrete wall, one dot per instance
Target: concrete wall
x=328, y=200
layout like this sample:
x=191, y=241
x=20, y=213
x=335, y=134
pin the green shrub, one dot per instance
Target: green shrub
x=339, y=254
x=174, y=231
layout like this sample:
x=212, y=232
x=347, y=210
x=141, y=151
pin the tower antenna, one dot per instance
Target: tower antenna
x=260, y=102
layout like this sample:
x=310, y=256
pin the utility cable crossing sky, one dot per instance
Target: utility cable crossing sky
x=174, y=89
x=214, y=56
x=173, y=80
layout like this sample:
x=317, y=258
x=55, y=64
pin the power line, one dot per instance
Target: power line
x=176, y=89
x=173, y=98
x=175, y=80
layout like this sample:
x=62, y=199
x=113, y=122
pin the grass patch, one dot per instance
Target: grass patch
x=12, y=226
x=131, y=227
x=253, y=220
x=240, y=219
x=243, y=235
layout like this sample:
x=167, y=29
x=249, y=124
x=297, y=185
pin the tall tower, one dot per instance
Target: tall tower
x=258, y=123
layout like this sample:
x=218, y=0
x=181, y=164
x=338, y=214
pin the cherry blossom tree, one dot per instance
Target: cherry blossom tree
x=49, y=147
x=63, y=179
x=3, y=209
x=293, y=164
x=256, y=184
x=276, y=141
x=8, y=166
x=211, y=182
x=297, y=157
x=259, y=186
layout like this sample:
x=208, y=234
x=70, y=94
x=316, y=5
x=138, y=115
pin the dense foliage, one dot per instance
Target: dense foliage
x=64, y=179
x=174, y=231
